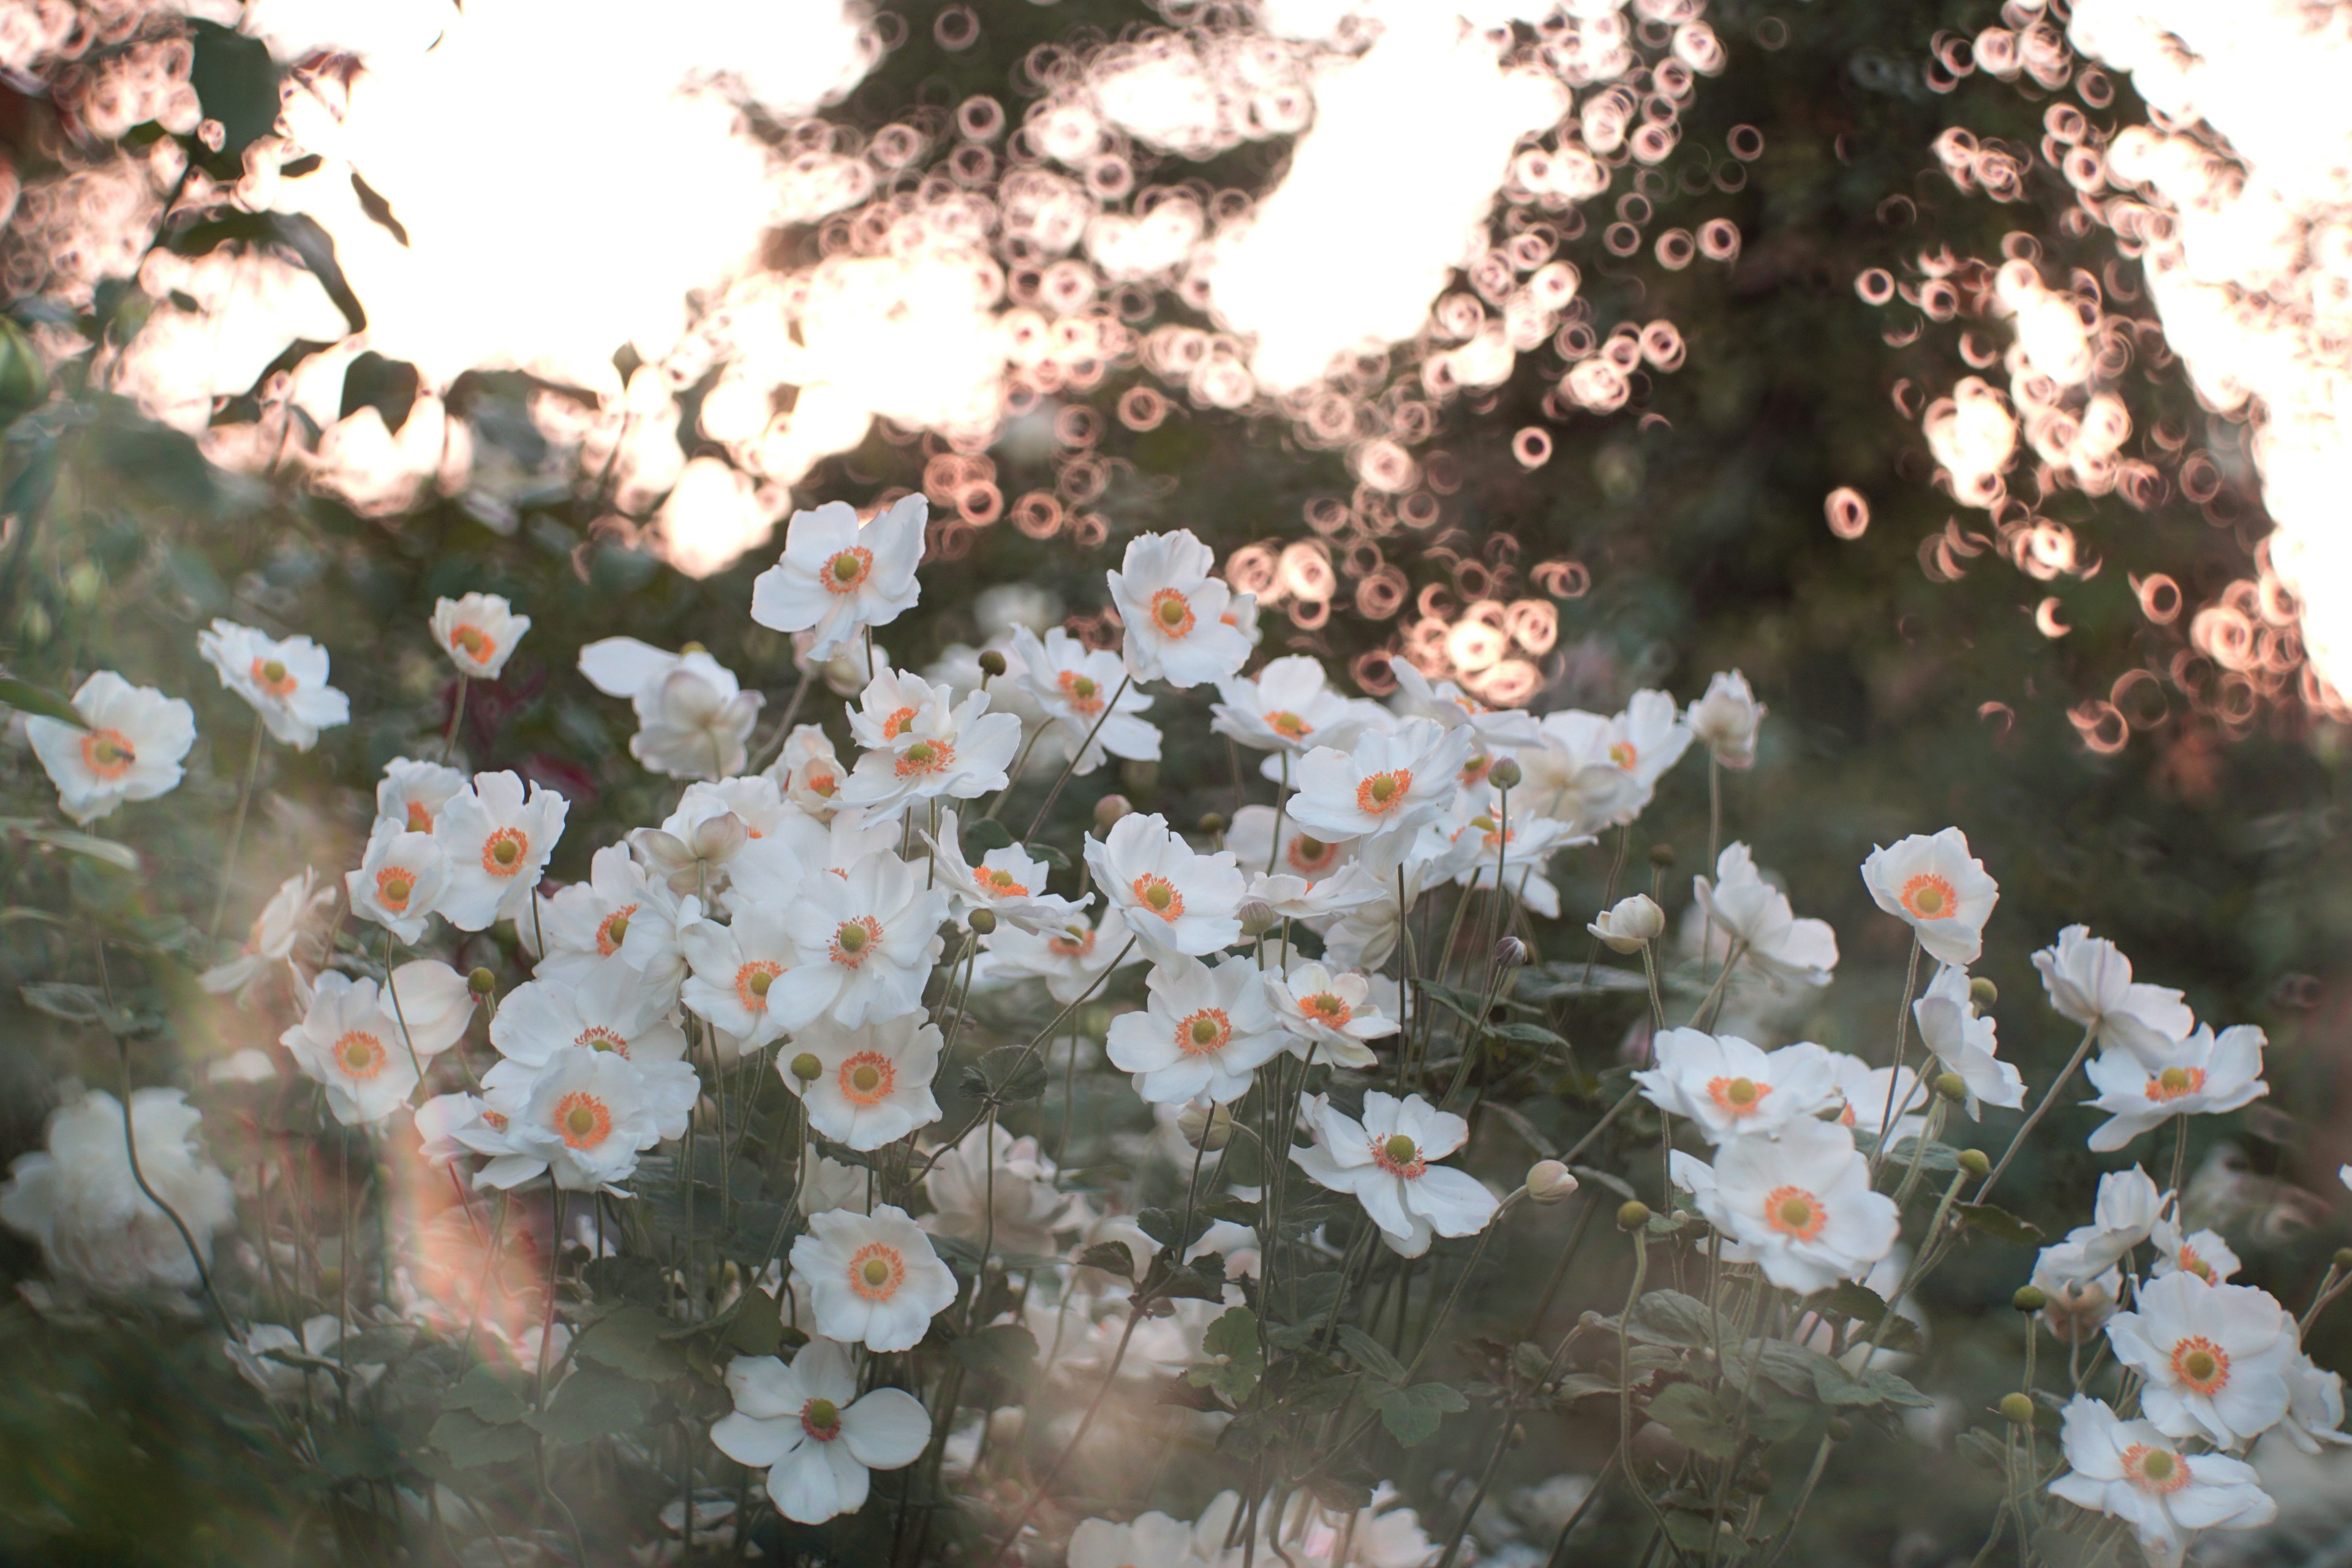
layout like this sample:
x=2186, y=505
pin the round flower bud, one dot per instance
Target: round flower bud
x=1632, y=1214
x=1952, y=1086
x=1983, y=991
x=1211, y=1128
x=2029, y=1299
x=1630, y=924
x=1506, y=774
x=1258, y=918
x=1212, y=823
x=1974, y=1162
x=992, y=663
x=2344, y=1257
x=2017, y=1409
x=481, y=981
x=1511, y=952
x=1550, y=1182
x=692, y=647
x=1662, y=856
x=807, y=1068
x=1840, y=1428
x=981, y=921
x=1109, y=810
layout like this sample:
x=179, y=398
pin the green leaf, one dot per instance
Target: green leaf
x=373, y=1347
x=1001, y=1350
x=1007, y=1073
x=1697, y=1419
x=1984, y=1450
x=1578, y=1385
x=1160, y=1225
x=1231, y=1339
x=983, y=834
x=1671, y=1317
x=1999, y=1223
x=1413, y=1415
x=1527, y=1034
x=1110, y=1257
x=1467, y=1006
x=482, y=1392
x=1530, y=1360
x=27, y=698
x=629, y=1279
x=470, y=1441
x=756, y=1329
x=1371, y=1354
x=1849, y=1299
x=630, y=1341
x=594, y=1402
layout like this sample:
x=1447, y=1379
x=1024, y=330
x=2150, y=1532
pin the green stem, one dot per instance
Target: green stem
x=235, y=835
x=2050, y=1096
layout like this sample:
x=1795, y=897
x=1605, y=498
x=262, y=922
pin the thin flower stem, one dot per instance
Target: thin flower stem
x=1804, y=1496
x=1609, y=897
x=235, y=835
x=1071, y=768
x=1625, y=1386
x=457, y=716
x=1478, y=1253
x=2180, y=1166
x=1086, y=1424
x=774, y=748
x=2049, y=1098
x=1013, y=774
x=1281, y=804
x=1902, y=1042
x=1485, y=1481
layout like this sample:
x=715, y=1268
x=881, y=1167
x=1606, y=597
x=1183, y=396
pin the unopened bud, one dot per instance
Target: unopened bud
x=1630, y=924
x=1109, y=810
x=992, y=664
x=807, y=1068
x=1511, y=952
x=1258, y=918
x=2029, y=1299
x=1974, y=1162
x=1210, y=1129
x=981, y=921
x=2344, y=1257
x=1212, y=823
x=1840, y=1428
x=1952, y=1086
x=692, y=647
x=1632, y=1214
x=1983, y=991
x=1662, y=856
x=1550, y=1182
x=2017, y=1409
x=481, y=981
x=1504, y=773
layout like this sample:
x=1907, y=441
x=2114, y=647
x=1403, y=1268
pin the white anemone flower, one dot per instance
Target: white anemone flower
x=1175, y=901
x=809, y=771
x=1290, y=707
x=1386, y=1163
x=1630, y=924
x=497, y=841
x=283, y=681
x=129, y=746
x=2090, y=982
x=694, y=718
x=1729, y=1086
x=872, y=1280
x=1072, y=686
x=1071, y=962
x=399, y=882
x=1385, y=789
x=1488, y=846
x=619, y=915
x=2315, y=1406
x=1756, y=915
x=1727, y=719
x=837, y=577
x=870, y=1085
x=1302, y=858
x=995, y=1186
x=432, y=1003
x=736, y=969
x=1328, y=1014
x=583, y=1119
x=1801, y=1203
x=610, y=1009
x=2201, y=1254
x=961, y=753
x=1938, y=889
x=2128, y=1210
x=1008, y=883
x=276, y=932
x=1875, y=1097
x=2205, y=1075
x=1153, y=1541
x=411, y=793
x=2127, y=1471
x=867, y=940
x=1498, y=729
x=2215, y=1357
x=1568, y=774
x=1202, y=1034
x=1175, y=612
x=478, y=632
x=816, y=1437
x=1648, y=738
x=1964, y=1044
x=350, y=1043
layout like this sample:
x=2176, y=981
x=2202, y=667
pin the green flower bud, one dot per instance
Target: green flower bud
x=1952, y=1086
x=1974, y=1162
x=1632, y=1214
x=2029, y=1299
x=1983, y=993
x=807, y=1068
x=992, y=664
x=481, y=981
x=982, y=921
x=2017, y=1409
x=1504, y=774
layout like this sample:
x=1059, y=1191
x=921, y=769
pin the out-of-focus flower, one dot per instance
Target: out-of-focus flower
x=285, y=682
x=1800, y=1204
x=814, y=1433
x=350, y=1043
x=1070, y=962
x=1568, y=774
x=2315, y=1406
x=2090, y=982
x=399, y=881
x=2128, y=1210
x=808, y=771
x=872, y=1084
x=1288, y=708
x=1202, y=1035
x=1758, y=916
x=836, y=577
x=1939, y=889
x=996, y=1185
x=1629, y=924
x=130, y=748
x=1727, y=719
x=2076, y=1309
x=411, y=793
x=1072, y=685
x=873, y=1280
x=256, y=1356
x=1876, y=1096
x=497, y=841
x=2128, y=1469
x=99, y=1235
x=694, y=718
x=1174, y=611
x=1152, y=1541
x=478, y=632
x=2215, y=1357
x=1964, y=1044
x=276, y=932
x=1727, y=1086
x=1008, y=883
x=1175, y=901
x=866, y=940
x=1648, y=738
x=2205, y=1075
x=1329, y=1013
x=1386, y=1163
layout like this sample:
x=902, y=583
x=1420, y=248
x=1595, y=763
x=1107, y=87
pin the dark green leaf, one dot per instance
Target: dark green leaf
x=1849, y=1299
x=1994, y=1221
x=1007, y=1073
x=594, y=1402
x=483, y=1393
x=1671, y=1317
x=1110, y=1257
x=983, y=834
x=1001, y=1350
x=1160, y=1225
x=1231, y=1340
x=1984, y=1450
x=1413, y=1415
x=631, y=1342
x=1527, y=1034
x=1371, y=1354
x=756, y=1329
x=1697, y=1419
x=470, y=1441
x=27, y=698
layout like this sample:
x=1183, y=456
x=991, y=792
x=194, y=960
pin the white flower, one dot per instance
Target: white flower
x=399, y=881
x=350, y=1043
x=2128, y=1210
x=921, y=748
x=694, y=718
x=1371, y=906
x=411, y=793
x=275, y=933
x=830, y=1184
x=1384, y=1162
x=872, y=1278
x=1071, y=684
x=1174, y=611
x=1876, y=1096
x=584, y=1119
x=1071, y=962
x=1568, y=774
x=1726, y=720
x=2315, y=1406
x=1328, y=1014
x=448, y=1125
x=2201, y=1254
x=1497, y=729
x=1385, y=789
x=497, y=843
x=2126, y=1470
x=994, y=1185
x=808, y=771
x=1729, y=1086
x=1938, y=889
x=2090, y=982
x=254, y=1361
x=2215, y=1357
x=1965, y=1043
x=1801, y=1204
x=1175, y=901
x=1756, y=915
x=1485, y=850
x=866, y=940
x=1204, y=1033
x=872, y=1084
x=836, y=577
x=430, y=1003
x=2078, y=1309
x=1648, y=738
x=1630, y=924
x=1153, y=1541
x=814, y=1433
x=611, y=1009
x=618, y=915
x=1288, y=708
x=99, y=1235
x=736, y=968
x=284, y=682
x=2205, y=1075
x=1007, y=882
x=1302, y=858
x=131, y=748
x=478, y=632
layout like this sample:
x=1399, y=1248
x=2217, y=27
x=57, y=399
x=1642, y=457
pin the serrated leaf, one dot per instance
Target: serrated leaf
x=1697, y=1418
x=1671, y=1317
x=484, y=1394
x=1110, y=1257
x=1994, y=1221
x=1530, y=1360
x=631, y=1341
x=1161, y=1225
x=1578, y=1385
x=471, y=1442
x=1007, y=1073
x=1849, y=1299
x=1413, y=1415
x=594, y=1402
x=1371, y=1354
x=1001, y=1350
x=1231, y=1339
